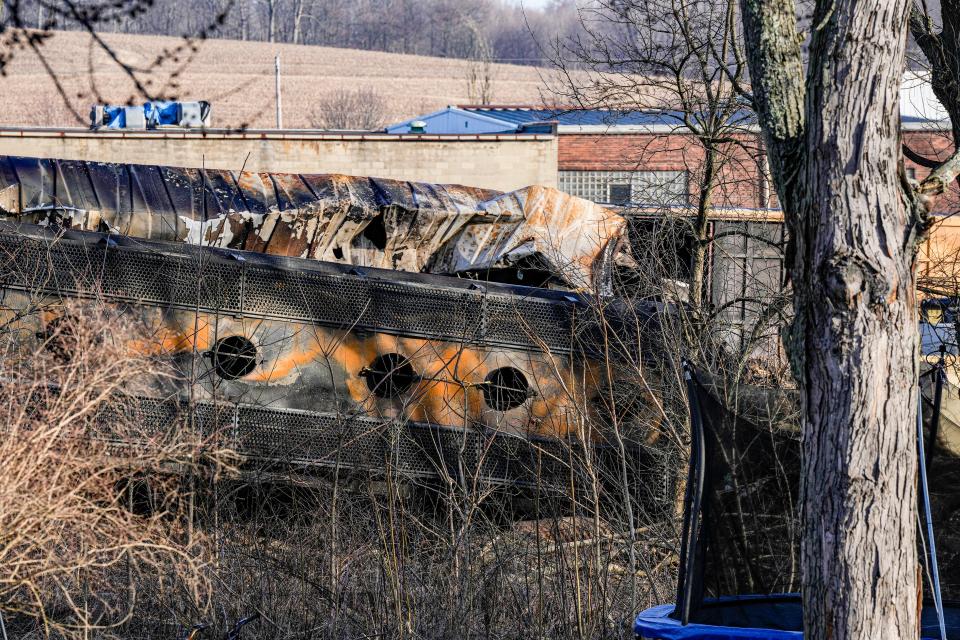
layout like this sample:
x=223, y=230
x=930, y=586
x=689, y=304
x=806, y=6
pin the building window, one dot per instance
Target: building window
x=620, y=193
x=652, y=188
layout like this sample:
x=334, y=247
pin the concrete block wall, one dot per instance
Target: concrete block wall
x=500, y=162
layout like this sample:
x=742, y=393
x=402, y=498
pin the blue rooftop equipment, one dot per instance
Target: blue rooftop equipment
x=151, y=115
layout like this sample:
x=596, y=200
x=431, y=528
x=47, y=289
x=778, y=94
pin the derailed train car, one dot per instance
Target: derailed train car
x=329, y=321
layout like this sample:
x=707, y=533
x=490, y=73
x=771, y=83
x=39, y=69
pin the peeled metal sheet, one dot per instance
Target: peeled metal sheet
x=391, y=224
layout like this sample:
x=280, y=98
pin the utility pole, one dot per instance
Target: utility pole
x=279, y=105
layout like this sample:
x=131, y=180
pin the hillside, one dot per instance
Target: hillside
x=237, y=78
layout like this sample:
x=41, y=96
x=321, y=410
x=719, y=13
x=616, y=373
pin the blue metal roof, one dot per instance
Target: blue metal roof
x=471, y=119
x=452, y=120
x=507, y=119
x=600, y=117
x=581, y=117
x=915, y=119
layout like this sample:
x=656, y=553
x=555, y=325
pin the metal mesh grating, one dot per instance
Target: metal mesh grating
x=528, y=322
x=324, y=440
x=194, y=278
x=87, y=269
x=304, y=296
x=455, y=314
x=355, y=301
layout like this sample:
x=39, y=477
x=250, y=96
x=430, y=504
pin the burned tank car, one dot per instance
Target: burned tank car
x=327, y=321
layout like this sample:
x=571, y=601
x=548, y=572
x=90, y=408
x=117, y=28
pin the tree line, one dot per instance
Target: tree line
x=494, y=29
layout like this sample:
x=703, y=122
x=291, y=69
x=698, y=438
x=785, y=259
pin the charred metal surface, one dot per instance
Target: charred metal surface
x=312, y=349
x=311, y=319
x=310, y=440
x=189, y=278
x=371, y=222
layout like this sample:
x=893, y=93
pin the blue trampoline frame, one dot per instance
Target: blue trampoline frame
x=660, y=623
x=657, y=623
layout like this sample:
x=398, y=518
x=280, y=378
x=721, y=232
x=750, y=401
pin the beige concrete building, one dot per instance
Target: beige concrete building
x=494, y=161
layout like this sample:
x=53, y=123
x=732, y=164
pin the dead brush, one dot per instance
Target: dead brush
x=78, y=540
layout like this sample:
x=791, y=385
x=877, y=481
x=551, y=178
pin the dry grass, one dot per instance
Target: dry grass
x=75, y=557
x=237, y=78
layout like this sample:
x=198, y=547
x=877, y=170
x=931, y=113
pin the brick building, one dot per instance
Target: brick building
x=647, y=159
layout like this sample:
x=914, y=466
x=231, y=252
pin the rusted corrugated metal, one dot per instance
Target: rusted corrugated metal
x=407, y=226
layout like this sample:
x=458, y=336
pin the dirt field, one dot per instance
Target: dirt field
x=237, y=78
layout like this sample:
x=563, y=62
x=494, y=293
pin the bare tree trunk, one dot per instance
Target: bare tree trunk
x=701, y=225
x=298, y=20
x=480, y=70
x=272, y=25
x=243, y=21
x=855, y=297
x=853, y=232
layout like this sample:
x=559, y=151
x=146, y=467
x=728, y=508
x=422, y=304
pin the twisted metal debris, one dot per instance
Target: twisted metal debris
x=391, y=224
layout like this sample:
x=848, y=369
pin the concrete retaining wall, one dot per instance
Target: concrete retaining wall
x=503, y=162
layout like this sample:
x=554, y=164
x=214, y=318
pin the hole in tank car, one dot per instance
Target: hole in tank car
x=376, y=232
x=506, y=388
x=389, y=375
x=234, y=357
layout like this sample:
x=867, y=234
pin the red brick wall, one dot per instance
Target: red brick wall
x=622, y=152
x=738, y=181
x=936, y=146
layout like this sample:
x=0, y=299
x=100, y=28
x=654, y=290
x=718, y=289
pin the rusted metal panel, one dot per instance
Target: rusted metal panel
x=569, y=234
x=406, y=226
